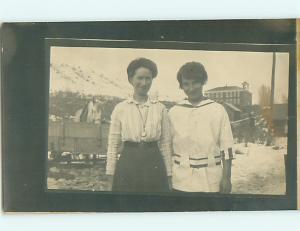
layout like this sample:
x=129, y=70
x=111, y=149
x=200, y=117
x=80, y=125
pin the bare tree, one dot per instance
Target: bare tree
x=264, y=94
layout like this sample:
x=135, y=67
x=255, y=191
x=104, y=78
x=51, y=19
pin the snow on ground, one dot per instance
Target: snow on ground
x=259, y=170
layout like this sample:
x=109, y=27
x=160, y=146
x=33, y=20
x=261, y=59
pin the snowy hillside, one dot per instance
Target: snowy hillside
x=64, y=77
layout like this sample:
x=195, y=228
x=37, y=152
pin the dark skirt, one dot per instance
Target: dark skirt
x=140, y=169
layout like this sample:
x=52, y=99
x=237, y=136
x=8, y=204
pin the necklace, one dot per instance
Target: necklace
x=144, y=121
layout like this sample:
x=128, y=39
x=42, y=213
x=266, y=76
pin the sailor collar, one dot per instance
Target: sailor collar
x=186, y=103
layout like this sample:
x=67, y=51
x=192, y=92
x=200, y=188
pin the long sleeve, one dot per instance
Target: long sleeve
x=165, y=145
x=114, y=142
x=226, y=137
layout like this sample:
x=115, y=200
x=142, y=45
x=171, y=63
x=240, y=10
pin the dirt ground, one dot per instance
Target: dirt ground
x=78, y=177
x=258, y=169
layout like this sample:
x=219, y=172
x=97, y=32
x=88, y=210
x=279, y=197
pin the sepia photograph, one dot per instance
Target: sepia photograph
x=149, y=116
x=167, y=118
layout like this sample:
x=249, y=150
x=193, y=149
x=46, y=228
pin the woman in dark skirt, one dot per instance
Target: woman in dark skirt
x=139, y=142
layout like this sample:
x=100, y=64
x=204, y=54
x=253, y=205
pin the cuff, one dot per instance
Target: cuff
x=228, y=154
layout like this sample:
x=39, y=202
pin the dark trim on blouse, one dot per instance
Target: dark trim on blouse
x=191, y=106
x=230, y=153
x=205, y=158
x=197, y=165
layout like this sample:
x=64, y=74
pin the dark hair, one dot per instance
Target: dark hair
x=141, y=62
x=192, y=70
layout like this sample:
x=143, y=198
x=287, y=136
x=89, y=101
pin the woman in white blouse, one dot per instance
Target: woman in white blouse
x=139, y=142
x=202, y=137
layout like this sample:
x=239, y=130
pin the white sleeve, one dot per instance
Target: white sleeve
x=164, y=143
x=226, y=137
x=114, y=142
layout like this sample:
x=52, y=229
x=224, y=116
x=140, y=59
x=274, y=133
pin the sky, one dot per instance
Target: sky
x=223, y=67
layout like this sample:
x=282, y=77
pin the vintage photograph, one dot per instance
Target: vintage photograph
x=156, y=120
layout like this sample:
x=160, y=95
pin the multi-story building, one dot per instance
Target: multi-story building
x=238, y=96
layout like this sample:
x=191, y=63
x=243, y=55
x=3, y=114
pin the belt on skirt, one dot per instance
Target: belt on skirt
x=197, y=165
x=140, y=144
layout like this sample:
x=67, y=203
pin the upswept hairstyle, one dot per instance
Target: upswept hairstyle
x=141, y=62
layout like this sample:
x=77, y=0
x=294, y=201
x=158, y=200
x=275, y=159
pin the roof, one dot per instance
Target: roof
x=226, y=88
x=232, y=106
x=280, y=111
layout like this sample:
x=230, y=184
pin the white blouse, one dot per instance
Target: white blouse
x=202, y=137
x=129, y=120
x=201, y=131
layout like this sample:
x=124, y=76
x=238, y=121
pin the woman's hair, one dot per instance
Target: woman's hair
x=192, y=70
x=141, y=62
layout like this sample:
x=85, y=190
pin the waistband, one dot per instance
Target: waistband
x=141, y=144
x=192, y=158
x=197, y=165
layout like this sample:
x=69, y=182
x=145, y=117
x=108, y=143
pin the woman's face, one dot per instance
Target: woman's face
x=141, y=80
x=192, y=88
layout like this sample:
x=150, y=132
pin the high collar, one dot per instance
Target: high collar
x=203, y=102
x=149, y=101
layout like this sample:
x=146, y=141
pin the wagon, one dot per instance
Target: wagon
x=74, y=141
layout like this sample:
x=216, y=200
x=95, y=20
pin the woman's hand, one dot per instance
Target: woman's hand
x=225, y=185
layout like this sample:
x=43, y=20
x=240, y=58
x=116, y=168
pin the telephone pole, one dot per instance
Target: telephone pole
x=273, y=81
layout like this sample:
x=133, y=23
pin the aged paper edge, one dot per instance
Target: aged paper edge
x=298, y=111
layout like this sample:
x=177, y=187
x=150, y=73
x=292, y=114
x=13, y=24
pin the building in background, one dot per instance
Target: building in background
x=237, y=96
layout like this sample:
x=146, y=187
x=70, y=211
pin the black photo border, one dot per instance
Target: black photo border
x=25, y=95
